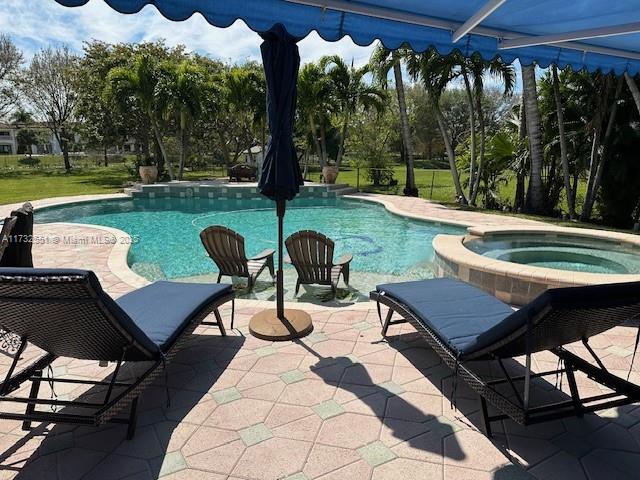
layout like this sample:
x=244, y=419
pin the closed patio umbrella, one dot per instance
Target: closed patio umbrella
x=281, y=177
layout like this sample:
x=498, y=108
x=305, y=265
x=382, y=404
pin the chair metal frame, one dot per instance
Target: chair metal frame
x=517, y=406
x=113, y=404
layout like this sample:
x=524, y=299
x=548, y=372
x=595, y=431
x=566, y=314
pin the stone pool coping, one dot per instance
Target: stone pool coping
x=515, y=283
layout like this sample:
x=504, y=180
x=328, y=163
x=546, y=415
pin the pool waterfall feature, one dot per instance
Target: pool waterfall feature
x=517, y=264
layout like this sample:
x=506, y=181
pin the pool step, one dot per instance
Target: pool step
x=344, y=190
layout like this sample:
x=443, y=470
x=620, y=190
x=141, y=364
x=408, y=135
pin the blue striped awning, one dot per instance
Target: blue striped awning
x=585, y=34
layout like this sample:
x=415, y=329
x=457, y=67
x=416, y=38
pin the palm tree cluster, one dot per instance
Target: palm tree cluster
x=564, y=143
x=330, y=93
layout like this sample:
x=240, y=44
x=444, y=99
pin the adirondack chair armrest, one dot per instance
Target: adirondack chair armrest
x=344, y=259
x=264, y=254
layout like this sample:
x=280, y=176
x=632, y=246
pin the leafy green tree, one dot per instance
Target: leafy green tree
x=436, y=72
x=181, y=94
x=49, y=84
x=315, y=107
x=103, y=125
x=141, y=80
x=243, y=100
x=382, y=61
x=478, y=68
x=10, y=61
x=350, y=92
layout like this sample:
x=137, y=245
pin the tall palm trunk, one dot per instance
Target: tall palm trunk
x=535, y=198
x=472, y=125
x=483, y=141
x=316, y=142
x=518, y=203
x=343, y=140
x=163, y=151
x=184, y=150
x=450, y=154
x=633, y=86
x=571, y=199
x=594, y=185
x=410, y=189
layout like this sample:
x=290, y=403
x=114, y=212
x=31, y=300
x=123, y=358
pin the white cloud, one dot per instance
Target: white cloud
x=34, y=24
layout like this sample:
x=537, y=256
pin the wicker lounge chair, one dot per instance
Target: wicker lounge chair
x=464, y=324
x=18, y=250
x=226, y=249
x=5, y=234
x=66, y=313
x=311, y=253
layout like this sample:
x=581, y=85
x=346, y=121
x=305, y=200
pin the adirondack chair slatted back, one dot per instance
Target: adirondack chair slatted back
x=311, y=254
x=7, y=228
x=226, y=249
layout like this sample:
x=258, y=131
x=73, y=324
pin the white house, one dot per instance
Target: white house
x=9, y=139
x=8, y=142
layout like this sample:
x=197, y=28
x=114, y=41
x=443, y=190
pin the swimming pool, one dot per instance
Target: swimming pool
x=168, y=246
x=562, y=253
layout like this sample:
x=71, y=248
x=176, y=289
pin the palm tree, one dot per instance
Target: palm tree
x=601, y=145
x=571, y=198
x=436, y=72
x=245, y=92
x=535, y=197
x=314, y=106
x=501, y=71
x=141, y=80
x=350, y=92
x=182, y=97
x=382, y=60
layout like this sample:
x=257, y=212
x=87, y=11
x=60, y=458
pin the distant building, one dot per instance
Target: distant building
x=9, y=139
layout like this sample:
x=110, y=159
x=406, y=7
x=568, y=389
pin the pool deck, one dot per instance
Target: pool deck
x=344, y=404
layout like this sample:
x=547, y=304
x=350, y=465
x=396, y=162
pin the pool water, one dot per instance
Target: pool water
x=578, y=254
x=168, y=243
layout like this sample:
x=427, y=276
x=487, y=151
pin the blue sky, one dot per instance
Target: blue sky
x=34, y=24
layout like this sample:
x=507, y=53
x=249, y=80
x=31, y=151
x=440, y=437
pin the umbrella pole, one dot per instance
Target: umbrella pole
x=280, y=324
x=281, y=206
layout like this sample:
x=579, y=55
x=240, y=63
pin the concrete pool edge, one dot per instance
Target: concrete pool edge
x=515, y=283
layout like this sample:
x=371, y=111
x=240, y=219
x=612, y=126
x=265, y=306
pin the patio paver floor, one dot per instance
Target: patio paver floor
x=246, y=409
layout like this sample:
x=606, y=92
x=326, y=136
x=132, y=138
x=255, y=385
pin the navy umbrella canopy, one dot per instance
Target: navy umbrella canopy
x=281, y=177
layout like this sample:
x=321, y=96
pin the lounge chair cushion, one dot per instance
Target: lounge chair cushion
x=163, y=309
x=464, y=317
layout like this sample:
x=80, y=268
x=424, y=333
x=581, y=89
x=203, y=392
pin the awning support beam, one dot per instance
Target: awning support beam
x=475, y=20
x=425, y=21
x=530, y=41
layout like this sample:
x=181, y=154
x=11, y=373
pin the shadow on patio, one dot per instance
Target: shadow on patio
x=165, y=414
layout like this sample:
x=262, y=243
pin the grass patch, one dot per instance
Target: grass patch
x=22, y=185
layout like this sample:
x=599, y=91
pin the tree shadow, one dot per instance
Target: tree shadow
x=167, y=410
x=571, y=440
x=405, y=421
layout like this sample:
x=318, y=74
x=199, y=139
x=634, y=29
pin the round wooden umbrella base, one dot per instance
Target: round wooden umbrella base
x=267, y=326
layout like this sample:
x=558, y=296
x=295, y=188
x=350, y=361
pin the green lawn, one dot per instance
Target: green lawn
x=442, y=190
x=22, y=185
x=19, y=184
